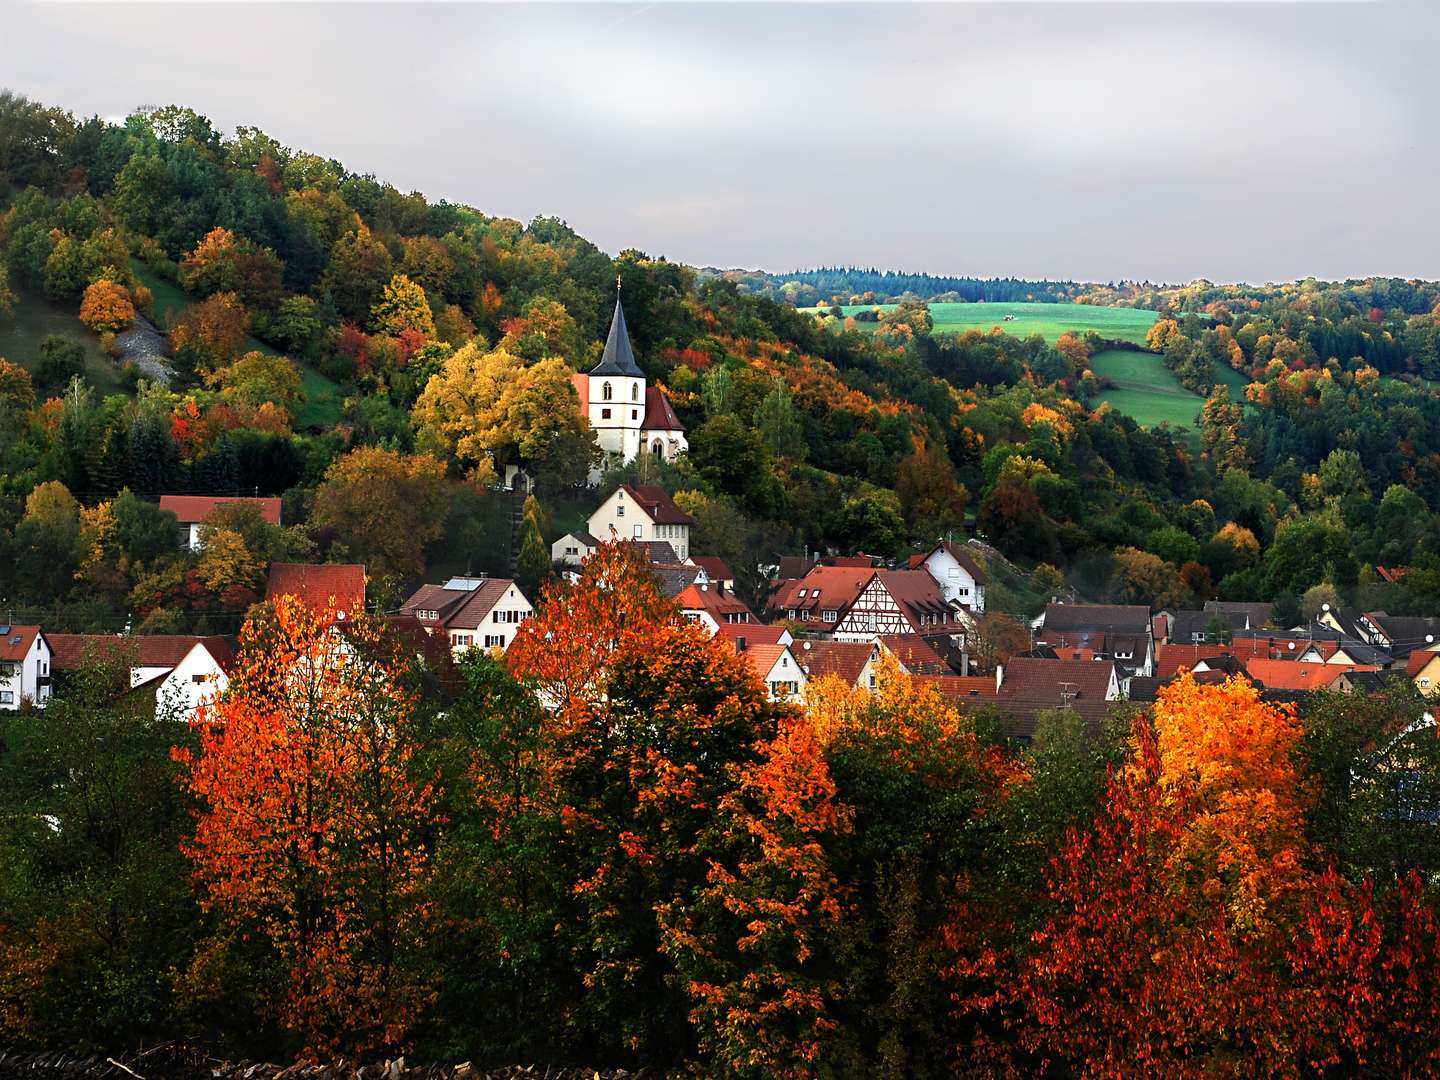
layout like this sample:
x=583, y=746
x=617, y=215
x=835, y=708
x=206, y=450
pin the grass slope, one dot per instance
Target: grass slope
x=321, y=408
x=1145, y=389
x=1047, y=320
x=37, y=317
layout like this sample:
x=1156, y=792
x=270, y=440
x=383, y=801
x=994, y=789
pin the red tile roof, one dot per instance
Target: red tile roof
x=659, y=414
x=16, y=641
x=722, y=605
x=839, y=587
x=752, y=633
x=960, y=687
x=916, y=654
x=319, y=586
x=1295, y=675
x=196, y=508
x=762, y=658
x=1417, y=661
x=1055, y=681
x=71, y=651
x=847, y=659
x=1170, y=659
x=714, y=567
x=657, y=504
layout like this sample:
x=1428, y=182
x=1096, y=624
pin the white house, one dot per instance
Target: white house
x=959, y=576
x=199, y=678
x=642, y=512
x=473, y=612
x=192, y=510
x=777, y=668
x=572, y=549
x=24, y=667
x=626, y=415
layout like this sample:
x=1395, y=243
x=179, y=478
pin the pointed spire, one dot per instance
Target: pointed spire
x=618, y=358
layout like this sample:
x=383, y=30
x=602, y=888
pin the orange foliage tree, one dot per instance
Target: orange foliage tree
x=1166, y=950
x=649, y=720
x=310, y=832
x=107, y=306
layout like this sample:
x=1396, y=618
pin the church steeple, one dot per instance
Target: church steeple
x=618, y=359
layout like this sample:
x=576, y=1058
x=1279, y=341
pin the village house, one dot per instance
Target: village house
x=776, y=667
x=1028, y=686
x=471, y=612
x=181, y=670
x=852, y=662
x=1120, y=632
x=1423, y=669
x=642, y=512
x=713, y=606
x=25, y=659
x=755, y=633
x=192, y=510
x=960, y=577
x=899, y=602
x=572, y=549
x=715, y=571
x=627, y=416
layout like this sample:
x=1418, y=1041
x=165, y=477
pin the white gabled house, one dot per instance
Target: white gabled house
x=198, y=679
x=960, y=577
x=572, y=549
x=776, y=667
x=642, y=512
x=472, y=612
x=24, y=667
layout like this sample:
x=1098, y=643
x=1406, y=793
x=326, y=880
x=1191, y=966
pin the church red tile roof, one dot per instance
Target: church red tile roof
x=659, y=413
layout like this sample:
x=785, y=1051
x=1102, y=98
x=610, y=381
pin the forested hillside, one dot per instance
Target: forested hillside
x=378, y=359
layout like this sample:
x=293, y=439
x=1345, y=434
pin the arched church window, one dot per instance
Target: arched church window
x=656, y=448
x=606, y=392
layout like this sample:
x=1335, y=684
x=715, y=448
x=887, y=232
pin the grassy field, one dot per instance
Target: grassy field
x=36, y=317
x=1145, y=389
x=1047, y=320
x=323, y=396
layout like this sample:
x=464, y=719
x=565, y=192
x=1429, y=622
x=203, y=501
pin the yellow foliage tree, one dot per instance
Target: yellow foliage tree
x=401, y=307
x=490, y=409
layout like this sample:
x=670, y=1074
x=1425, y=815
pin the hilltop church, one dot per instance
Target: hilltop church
x=629, y=417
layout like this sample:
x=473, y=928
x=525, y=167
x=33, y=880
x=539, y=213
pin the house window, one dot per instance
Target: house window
x=604, y=414
x=607, y=394
x=792, y=613
x=197, y=678
x=635, y=391
x=639, y=531
x=494, y=641
x=1424, y=682
x=829, y=615
x=634, y=414
x=620, y=511
x=7, y=697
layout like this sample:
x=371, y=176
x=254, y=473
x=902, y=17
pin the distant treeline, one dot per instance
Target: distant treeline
x=826, y=282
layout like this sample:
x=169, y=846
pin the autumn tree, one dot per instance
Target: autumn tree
x=1206, y=819
x=931, y=499
x=209, y=334
x=107, y=306
x=402, y=307
x=357, y=273
x=311, y=823
x=256, y=379
x=650, y=719
x=489, y=410
x=383, y=506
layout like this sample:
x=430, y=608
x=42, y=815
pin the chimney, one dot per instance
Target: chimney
x=999, y=676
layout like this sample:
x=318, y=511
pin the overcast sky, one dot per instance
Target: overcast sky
x=1168, y=141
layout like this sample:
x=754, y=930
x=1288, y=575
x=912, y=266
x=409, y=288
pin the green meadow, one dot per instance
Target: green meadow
x=1047, y=320
x=36, y=318
x=1145, y=389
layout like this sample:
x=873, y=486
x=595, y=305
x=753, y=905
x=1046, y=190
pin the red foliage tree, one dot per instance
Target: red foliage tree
x=310, y=831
